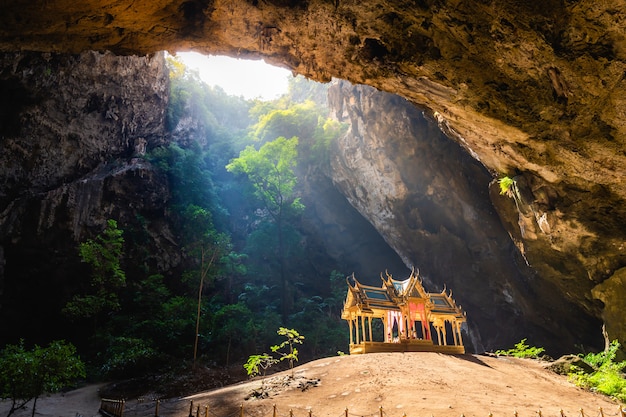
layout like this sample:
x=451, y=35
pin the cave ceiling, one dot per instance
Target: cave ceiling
x=533, y=90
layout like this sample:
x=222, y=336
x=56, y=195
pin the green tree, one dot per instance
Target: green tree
x=292, y=338
x=233, y=326
x=299, y=119
x=207, y=247
x=271, y=172
x=26, y=375
x=103, y=254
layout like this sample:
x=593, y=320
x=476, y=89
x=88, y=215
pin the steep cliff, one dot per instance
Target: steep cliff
x=430, y=200
x=72, y=134
x=533, y=90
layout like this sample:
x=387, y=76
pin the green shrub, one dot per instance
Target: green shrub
x=522, y=350
x=128, y=357
x=607, y=378
x=27, y=374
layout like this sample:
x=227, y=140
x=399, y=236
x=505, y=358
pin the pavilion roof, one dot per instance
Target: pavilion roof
x=392, y=293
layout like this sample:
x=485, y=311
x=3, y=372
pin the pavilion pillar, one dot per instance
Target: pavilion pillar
x=369, y=320
x=460, y=335
x=455, y=328
x=385, y=329
x=351, y=331
x=363, y=328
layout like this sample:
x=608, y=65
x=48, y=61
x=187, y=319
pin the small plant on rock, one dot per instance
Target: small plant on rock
x=506, y=185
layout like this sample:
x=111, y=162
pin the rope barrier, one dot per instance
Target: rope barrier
x=120, y=408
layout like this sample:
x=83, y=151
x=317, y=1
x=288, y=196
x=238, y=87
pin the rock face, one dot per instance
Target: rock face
x=72, y=131
x=533, y=90
x=430, y=201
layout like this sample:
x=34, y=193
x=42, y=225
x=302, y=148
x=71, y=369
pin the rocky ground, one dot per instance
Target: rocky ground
x=411, y=384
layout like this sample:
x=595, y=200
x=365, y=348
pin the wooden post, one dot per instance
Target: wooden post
x=198, y=411
x=156, y=409
x=582, y=413
x=206, y=411
x=121, y=413
x=601, y=412
x=539, y=413
x=515, y=413
x=274, y=413
x=191, y=409
x=562, y=413
x=290, y=413
x=310, y=413
x=381, y=411
x=369, y=320
x=346, y=411
x=241, y=411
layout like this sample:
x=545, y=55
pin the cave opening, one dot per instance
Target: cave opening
x=250, y=79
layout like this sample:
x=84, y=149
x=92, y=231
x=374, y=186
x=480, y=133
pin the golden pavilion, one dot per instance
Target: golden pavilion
x=411, y=320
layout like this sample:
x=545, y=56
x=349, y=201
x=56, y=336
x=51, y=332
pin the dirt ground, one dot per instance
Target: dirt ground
x=394, y=384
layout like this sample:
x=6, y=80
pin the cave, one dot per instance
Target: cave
x=532, y=92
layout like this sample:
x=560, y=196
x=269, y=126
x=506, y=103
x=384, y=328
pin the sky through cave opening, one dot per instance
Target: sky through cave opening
x=239, y=77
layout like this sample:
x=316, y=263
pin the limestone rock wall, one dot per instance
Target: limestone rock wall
x=73, y=132
x=430, y=201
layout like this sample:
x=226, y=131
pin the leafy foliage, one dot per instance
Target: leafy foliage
x=292, y=337
x=234, y=327
x=505, y=185
x=608, y=377
x=27, y=374
x=522, y=350
x=127, y=357
x=258, y=363
x=271, y=172
x=103, y=254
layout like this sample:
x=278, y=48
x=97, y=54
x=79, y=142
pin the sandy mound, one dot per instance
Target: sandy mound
x=415, y=384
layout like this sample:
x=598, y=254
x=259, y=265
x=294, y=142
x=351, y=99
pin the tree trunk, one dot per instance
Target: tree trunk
x=283, y=277
x=34, y=406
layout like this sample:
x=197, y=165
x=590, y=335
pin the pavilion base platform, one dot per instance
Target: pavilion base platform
x=404, y=346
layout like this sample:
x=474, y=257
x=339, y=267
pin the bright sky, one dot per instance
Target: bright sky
x=239, y=77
